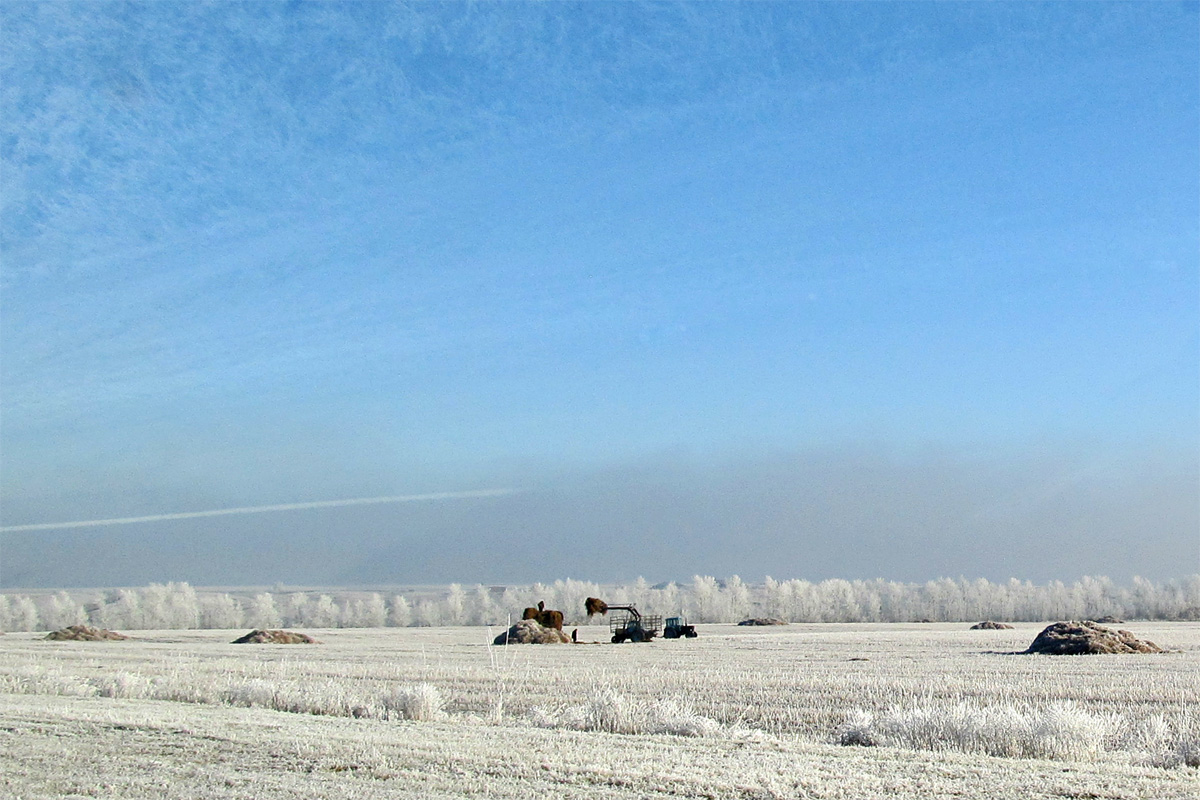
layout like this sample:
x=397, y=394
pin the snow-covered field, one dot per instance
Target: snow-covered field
x=738, y=712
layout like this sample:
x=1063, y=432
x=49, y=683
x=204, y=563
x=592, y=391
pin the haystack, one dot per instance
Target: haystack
x=763, y=621
x=84, y=633
x=988, y=625
x=275, y=637
x=528, y=631
x=595, y=605
x=1087, y=638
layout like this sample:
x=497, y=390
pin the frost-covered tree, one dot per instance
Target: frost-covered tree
x=294, y=610
x=18, y=614
x=374, y=611
x=61, y=610
x=321, y=613
x=364, y=612
x=220, y=610
x=705, y=605
x=737, y=599
x=126, y=611
x=428, y=614
x=481, y=609
x=182, y=607
x=263, y=612
x=455, y=606
x=399, y=612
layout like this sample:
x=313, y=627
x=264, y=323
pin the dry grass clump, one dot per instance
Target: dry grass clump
x=84, y=633
x=763, y=621
x=1088, y=638
x=528, y=631
x=275, y=637
x=988, y=625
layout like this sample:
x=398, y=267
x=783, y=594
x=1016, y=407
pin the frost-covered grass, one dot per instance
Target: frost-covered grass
x=941, y=690
x=610, y=711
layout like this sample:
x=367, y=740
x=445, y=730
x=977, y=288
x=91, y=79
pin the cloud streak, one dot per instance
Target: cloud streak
x=222, y=512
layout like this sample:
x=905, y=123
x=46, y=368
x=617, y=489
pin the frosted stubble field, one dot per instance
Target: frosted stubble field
x=736, y=713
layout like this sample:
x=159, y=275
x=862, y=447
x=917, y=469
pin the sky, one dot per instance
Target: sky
x=807, y=290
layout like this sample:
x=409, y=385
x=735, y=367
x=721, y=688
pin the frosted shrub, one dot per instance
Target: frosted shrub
x=124, y=685
x=41, y=680
x=1065, y=731
x=1186, y=752
x=609, y=711
x=1180, y=747
x=1061, y=731
x=679, y=719
x=857, y=729
x=324, y=698
x=253, y=693
x=420, y=703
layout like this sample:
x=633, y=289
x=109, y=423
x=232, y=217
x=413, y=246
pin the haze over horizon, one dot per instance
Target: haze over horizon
x=809, y=290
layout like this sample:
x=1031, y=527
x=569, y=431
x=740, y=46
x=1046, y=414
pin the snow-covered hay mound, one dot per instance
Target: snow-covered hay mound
x=84, y=633
x=528, y=631
x=1087, y=638
x=275, y=637
x=988, y=625
x=763, y=621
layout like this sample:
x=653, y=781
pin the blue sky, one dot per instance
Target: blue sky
x=650, y=259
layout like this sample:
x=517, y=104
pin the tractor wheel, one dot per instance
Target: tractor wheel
x=618, y=638
x=690, y=633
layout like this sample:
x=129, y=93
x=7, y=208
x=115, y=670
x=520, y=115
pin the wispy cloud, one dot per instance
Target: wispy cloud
x=221, y=512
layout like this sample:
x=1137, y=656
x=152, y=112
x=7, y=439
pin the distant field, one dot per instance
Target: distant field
x=738, y=713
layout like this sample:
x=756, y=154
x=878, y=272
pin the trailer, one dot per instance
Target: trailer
x=629, y=625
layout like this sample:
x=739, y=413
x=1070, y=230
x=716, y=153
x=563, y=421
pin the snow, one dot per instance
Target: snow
x=743, y=713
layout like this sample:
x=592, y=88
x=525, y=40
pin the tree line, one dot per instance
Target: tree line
x=703, y=599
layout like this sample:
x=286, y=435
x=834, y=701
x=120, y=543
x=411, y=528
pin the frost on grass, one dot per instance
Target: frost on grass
x=421, y=702
x=1060, y=731
x=1159, y=743
x=610, y=711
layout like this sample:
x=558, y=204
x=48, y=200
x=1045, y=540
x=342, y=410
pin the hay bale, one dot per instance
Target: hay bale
x=1109, y=620
x=528, y=631
x=988, y=625
x=763, y=621
x=84, y=633
x=595, y=605
x=1088, y=638
x=275, y=637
